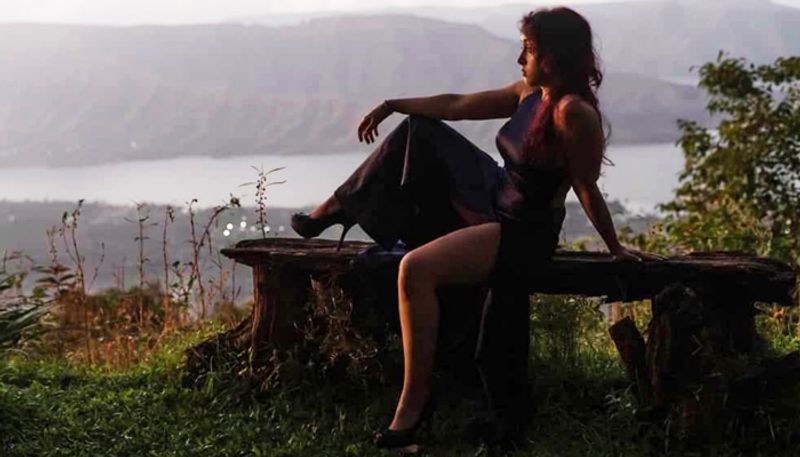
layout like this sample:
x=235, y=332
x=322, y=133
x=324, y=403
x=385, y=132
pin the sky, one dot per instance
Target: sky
x=126, y=12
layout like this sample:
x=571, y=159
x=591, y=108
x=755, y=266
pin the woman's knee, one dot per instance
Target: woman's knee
x=415, y=274
x=418, y=122
x=421, y=128
x=415, y=124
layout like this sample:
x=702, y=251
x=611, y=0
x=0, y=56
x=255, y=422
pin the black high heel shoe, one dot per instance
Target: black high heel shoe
x=309, y=227
x=393, y=439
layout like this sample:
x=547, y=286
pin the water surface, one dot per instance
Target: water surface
x=643, y=176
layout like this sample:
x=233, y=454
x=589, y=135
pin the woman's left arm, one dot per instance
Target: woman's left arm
x=578, y=126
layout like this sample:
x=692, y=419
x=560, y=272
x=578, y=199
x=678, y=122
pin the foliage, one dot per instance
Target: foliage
x=740, y=188
x=566, y=330
x=19, y=313
x=123, y=325
x=14, y=322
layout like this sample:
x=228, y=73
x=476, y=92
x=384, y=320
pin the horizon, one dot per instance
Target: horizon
x=185, y=12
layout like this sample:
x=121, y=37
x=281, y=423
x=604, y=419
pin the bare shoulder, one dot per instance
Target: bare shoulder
x=578, y=125
x=573, y=113
x=521, y=89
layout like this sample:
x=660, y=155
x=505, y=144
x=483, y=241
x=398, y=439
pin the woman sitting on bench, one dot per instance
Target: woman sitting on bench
x=466, y=219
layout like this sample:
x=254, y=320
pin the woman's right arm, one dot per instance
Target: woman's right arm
x=490, y=104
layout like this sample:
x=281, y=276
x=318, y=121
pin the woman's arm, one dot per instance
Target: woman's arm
x=597, y=211
x=578, y=126
x=490, y=104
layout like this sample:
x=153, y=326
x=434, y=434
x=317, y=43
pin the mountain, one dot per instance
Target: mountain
x=73, y=95
x=641, y=107
x=660, y=38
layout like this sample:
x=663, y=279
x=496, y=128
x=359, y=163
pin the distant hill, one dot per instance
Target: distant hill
x=73, y=95
x=660, y=38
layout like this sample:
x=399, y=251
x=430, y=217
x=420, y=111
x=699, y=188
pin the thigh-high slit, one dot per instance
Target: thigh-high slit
x=426, y=180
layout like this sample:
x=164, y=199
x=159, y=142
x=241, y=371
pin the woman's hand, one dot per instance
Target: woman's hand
x=368, y=128
x=623, y=254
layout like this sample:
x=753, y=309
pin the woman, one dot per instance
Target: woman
x=468, y=220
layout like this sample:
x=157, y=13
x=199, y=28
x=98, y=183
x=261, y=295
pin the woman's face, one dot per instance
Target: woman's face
x=531, y=72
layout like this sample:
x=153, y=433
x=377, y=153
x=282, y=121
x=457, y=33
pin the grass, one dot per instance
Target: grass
x=54, y=408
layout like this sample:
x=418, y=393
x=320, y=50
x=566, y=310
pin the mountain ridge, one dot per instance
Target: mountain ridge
x=73, y=95
x=681, y=33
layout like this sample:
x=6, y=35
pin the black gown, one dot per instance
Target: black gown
x=426, y=180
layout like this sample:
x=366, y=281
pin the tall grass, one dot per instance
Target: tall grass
x=117, y=327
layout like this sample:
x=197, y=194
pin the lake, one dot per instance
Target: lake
x=643, y=176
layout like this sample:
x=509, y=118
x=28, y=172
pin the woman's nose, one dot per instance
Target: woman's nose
x=521, y=58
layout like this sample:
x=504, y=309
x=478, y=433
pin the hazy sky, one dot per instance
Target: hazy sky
x=191, y=11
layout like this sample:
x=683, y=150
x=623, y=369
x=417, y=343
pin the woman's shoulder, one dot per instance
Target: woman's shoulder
x=574, y=104
x=572, y=110
x=523, y=90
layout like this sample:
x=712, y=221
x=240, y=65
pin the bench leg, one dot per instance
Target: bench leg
x=631, y=348
x=280, y=296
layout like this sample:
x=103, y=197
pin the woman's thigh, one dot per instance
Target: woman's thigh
x=465, y=256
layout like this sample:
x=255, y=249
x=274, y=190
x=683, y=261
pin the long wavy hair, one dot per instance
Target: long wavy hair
x=564, y=49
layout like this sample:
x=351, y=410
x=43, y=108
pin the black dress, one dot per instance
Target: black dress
x=426, y=180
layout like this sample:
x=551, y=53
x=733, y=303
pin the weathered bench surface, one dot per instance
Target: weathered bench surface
x=738, y=277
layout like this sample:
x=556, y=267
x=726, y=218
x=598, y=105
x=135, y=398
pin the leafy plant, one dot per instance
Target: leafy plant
x=14, y=322
x=740, y=188
x=18, y=313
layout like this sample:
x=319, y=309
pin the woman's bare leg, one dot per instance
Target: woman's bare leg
x=465, y=256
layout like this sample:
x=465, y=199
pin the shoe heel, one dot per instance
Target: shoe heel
x=345, y=229
x=402, y=440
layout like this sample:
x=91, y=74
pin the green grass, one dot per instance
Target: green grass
x=51, y=408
